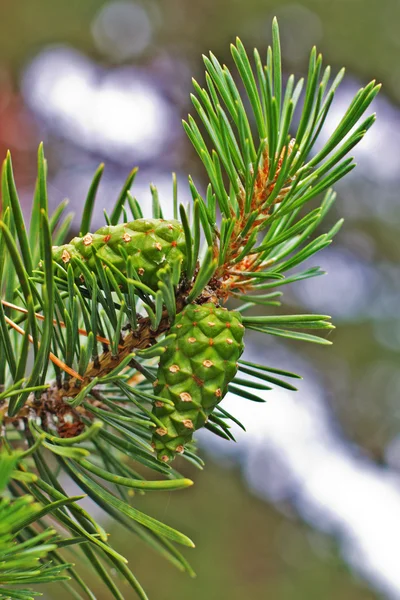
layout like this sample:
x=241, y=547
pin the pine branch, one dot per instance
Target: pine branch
x=24, y=551
x=261, y=180
x=115, y=346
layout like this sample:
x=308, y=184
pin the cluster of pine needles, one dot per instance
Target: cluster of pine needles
x=78, y=357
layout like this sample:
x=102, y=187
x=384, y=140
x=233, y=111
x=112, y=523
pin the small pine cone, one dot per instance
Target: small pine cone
x=195, y=373
x=151, y=242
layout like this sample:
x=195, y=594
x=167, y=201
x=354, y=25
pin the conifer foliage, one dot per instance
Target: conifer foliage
x=117, y=345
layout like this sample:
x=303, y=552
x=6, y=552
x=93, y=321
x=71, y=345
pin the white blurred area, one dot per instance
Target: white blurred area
x=350, y=279
x=378, y=154
x=371, y=190
x=293, y=450
x=119, y=113
x=293, y=453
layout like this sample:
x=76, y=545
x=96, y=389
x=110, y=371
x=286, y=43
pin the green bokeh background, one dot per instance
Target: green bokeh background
x=245, y=547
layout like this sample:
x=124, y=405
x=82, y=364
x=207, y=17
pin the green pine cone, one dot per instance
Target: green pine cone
x=151, y=242
x=194, y=373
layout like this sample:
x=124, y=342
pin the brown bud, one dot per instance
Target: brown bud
x=161, y=431
x=88, y=239
x=208, y=363
x=65, y=256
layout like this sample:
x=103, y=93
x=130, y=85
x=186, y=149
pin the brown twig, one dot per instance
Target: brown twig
x=52, y=405
x=229, y=272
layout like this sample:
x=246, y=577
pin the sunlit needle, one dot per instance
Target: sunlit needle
x=99, y=338
x=52, y=357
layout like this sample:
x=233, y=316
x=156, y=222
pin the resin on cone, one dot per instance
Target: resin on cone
x=151, y=242
x=194, y=373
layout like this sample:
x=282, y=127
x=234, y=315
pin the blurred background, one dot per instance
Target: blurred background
x=307, y=504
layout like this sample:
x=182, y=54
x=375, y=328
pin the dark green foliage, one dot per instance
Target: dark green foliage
x=24, y=553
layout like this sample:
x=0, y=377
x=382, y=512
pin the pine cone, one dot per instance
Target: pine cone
x=194, y=373
x=151, y=243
